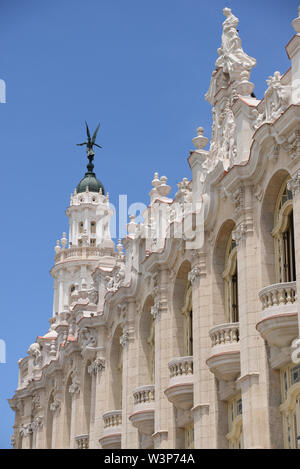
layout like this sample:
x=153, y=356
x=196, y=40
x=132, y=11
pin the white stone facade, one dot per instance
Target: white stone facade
x=177, y=343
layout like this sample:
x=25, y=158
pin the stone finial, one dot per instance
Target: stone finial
x=200, y=141
x=100, y=191
x=156, y=181
x=64, y=240
x=163, y=189
x=57, y=247
x=296, y=22
x=120, y=248
x=131, y=226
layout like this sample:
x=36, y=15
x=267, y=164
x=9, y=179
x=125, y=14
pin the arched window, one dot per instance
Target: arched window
x=80, y=227
x=230, y=276
x=283, y=234
x=93, y=227
x=235, y=423
x=71, y=290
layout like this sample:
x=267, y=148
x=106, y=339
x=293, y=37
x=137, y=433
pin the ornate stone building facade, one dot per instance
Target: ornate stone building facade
x=177, y=344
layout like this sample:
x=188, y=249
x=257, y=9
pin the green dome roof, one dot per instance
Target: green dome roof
x=91, y=182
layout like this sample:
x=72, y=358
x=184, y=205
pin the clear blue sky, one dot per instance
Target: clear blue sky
x=139, y=67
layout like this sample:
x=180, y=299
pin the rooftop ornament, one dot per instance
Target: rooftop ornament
x=90, y=183
x=89, y=145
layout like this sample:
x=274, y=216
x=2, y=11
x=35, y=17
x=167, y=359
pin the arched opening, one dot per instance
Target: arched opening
x=273, y=203
x=183, y=312
x=71, y=291
x=224, y=276
x=93, y=227
x=283, y=233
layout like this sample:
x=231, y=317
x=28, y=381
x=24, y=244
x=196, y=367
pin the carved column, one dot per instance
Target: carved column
x=57, y=417
x=130, y=438
x=254, y=368
x=164, y=427
x=26, y=435
x=96, y=369
x=203, y=380
x=74, y=390
x=294, y=186
x=37, y=427
x=25, y=428
x=38, y=420
x=100, y=389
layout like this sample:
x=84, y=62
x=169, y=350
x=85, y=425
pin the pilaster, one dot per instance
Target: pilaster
x=294, y=186
x=253, y=380
x=130, y=438
x=164, y=426
x=203, y=380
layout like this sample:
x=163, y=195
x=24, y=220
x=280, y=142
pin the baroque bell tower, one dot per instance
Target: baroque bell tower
x=89, y=244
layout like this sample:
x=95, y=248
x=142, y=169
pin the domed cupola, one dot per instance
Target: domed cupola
x=90, y=181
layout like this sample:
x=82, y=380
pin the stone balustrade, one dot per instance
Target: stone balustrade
x=278, y=322
x=78, y=252
x=144, y=394
x=224, y=358
x=143, y=409
x=181, y=384
x=112, y=418
x=181, y=366
x=112, y=430
x=82, y=441
x=278, y=294
x=224, y=334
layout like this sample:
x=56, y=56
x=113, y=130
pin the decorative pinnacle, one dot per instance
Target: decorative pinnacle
x=89, y=146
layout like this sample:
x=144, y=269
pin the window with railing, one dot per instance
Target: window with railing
x=235, y=423
x=290, y=407
x=283, y=234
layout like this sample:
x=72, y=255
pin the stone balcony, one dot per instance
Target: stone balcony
x=78, y=252
x=82, y=441
x=180, y=389
x=224, y=359
x=111, y=438
x=278, y=323
x=142, y=416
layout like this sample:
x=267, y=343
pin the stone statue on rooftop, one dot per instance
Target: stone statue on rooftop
x=90, y=141
x=232, y=58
